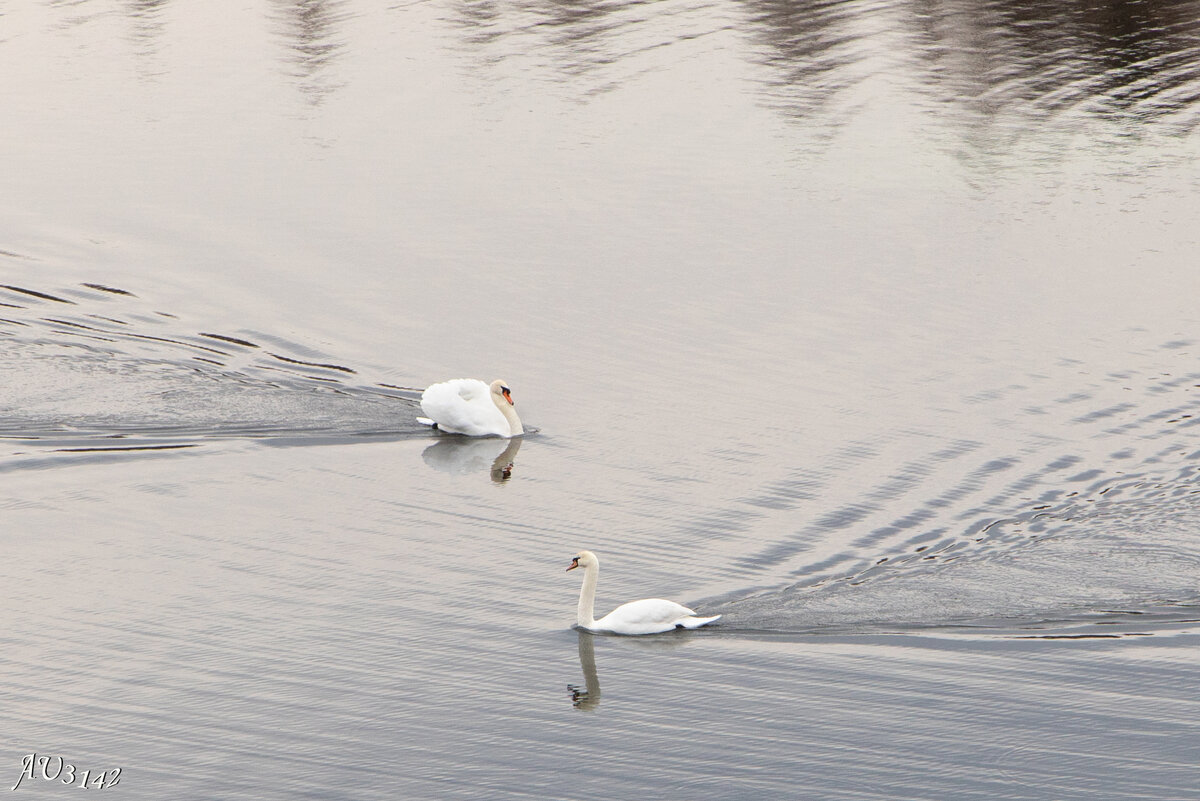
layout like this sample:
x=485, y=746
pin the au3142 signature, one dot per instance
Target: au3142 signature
x=55, y=768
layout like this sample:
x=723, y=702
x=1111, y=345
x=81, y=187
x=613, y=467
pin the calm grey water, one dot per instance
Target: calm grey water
x=872, y=326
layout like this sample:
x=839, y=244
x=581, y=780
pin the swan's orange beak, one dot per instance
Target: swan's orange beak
x=508, y=397
x=574, y=564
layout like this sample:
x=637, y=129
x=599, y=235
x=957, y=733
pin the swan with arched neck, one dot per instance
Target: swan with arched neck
x=469, y=406
x=647, y=616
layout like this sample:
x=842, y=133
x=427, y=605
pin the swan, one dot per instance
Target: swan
x=469, y=406
x=647, y=616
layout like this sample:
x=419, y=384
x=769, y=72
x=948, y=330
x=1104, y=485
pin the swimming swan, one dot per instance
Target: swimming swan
x=647, y=616
x=469, y=406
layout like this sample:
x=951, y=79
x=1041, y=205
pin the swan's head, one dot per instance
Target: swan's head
x=501, y=389
x=584, y=559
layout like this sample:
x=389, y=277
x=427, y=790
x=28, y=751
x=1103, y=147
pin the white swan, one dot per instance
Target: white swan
x=469, y=406
x=647, y=616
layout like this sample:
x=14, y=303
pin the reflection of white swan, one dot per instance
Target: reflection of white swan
x=647, y=616
x=587, y=696
x=469, y=456
x=469, y=406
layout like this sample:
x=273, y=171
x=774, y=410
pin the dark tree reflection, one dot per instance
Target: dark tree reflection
x=815, y=50
x=309, y=31
x=992, y=68
x=1123, y=60
x=146, y=16
x=1044, y=62
x=1009, y=68
x=590, y=44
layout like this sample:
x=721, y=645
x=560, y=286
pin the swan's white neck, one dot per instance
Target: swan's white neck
x=515, y=429
x=587, y=596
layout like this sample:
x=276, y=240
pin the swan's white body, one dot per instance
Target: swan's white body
x=647, y=616
x=469, y=406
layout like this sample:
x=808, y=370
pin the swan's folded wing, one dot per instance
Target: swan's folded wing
x=463, y=406
x=456, y=390
x=647, y=616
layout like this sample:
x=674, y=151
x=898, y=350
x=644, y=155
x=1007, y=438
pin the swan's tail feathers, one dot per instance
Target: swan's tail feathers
x=697, y=622
x=425, y=421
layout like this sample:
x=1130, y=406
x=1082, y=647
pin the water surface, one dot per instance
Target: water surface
x=868, y=325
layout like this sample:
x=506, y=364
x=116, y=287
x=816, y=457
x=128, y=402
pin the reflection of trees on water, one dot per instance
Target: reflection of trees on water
x=1057, y=65
x=1015, y=63
x=308, y=29
x=1048, y=63
x=146, y=16
x=599, y=41
x=1039, y=62
x=814, y=51
x=478, y=20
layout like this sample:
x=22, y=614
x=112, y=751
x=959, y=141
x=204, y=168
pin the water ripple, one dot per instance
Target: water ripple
x=118, y=377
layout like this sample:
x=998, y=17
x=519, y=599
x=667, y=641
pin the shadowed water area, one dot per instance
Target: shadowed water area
x=870, y=326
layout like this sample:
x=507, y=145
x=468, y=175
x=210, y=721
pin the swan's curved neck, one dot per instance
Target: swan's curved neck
x=515, y=429
x=587, y=597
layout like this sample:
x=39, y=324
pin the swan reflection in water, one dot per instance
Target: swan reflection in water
x=587, y=697
x=463, y=456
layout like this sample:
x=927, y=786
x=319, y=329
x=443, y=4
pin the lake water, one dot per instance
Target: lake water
x=871, y=326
